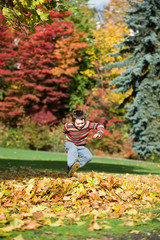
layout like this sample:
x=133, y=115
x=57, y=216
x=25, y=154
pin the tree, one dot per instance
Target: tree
x=46, y=62
x=83, y=20
x=142, y=76
x=29, y=14
x=105, y=40
x=7, y=55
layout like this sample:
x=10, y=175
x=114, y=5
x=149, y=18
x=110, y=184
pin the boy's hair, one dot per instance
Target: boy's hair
x=78, y=114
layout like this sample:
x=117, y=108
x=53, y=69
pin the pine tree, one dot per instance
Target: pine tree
x=142, y=75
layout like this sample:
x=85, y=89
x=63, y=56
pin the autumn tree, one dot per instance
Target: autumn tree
x=105, y=39
x=7, y=54
x=142, y=76
x=101, y=102
x=46, y=62
x=29, y=14
x=82, y=17
x=83, y=20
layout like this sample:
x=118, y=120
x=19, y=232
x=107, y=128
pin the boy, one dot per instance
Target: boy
x=76, y=136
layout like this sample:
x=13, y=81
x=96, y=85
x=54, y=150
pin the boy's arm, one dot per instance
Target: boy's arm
x=99, y=127
x=65, y=130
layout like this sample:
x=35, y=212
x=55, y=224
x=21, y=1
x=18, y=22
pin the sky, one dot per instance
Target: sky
x=98, y=4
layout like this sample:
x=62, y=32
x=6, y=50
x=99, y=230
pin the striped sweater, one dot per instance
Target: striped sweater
x=79, y=137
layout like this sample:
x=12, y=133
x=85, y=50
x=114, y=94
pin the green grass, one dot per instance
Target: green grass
x=75, y=232
x=40, y=160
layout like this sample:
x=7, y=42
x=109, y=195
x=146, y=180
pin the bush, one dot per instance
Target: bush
x=13, y=138
x=37, y=136
x=33, y=136
x=58, y=138
x=108, y=144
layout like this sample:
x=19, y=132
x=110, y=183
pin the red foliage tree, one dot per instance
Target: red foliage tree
x=7, y=54
x=45, y=61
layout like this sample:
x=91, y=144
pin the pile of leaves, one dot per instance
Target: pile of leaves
x=30, y=199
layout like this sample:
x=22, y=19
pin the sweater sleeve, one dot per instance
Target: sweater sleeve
x=65, y=130
x=98, y=126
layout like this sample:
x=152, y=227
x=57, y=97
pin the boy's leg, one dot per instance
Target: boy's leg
x=84, y=154
x=72, y=158
x=72, y=153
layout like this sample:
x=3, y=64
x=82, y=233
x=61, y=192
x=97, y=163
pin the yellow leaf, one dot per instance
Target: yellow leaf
x=127, y=224
x=94, y=226
x=134, y=231
x=106, y=227
x=57, y=223
x=80, y=223
x=132, y=212
x=19, y=237
x=7, y=229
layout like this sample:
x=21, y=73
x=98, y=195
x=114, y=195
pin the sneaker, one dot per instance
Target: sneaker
x=71, y=170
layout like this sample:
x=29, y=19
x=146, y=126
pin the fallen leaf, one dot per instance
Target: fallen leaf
x=80, y=223
x=4, y=234
x=94, y=226
x=57, y=223
x=134, y=231
x=31, y=225
x=37, y=214
x=19, y=237
x=127, y=224
x=106, y=227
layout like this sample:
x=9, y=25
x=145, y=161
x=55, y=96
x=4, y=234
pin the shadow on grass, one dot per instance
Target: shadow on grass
x=58, y=167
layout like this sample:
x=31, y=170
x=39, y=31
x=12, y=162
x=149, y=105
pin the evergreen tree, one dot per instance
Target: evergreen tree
x=142, y=75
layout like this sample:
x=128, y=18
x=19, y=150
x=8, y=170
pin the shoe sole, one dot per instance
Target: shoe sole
x=73, y=169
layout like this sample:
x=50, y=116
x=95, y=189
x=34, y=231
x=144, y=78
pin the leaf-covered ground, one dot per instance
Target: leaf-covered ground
x=30, y=200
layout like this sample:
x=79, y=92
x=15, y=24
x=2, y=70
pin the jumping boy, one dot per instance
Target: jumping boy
x=76, y=136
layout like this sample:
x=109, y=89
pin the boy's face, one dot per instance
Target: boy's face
x=79, y=123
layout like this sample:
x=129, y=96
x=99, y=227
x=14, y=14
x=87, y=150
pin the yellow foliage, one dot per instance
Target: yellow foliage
x=88, y=72
x=105, y=43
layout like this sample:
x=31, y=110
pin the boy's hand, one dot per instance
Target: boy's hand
x=97, y=135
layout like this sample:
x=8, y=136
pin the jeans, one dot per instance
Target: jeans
x=73, y=152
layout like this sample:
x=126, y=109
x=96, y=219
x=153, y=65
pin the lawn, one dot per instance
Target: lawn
x=112, y=198
x=57, y=162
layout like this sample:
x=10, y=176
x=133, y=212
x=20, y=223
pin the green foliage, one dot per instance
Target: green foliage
x=142, y=76
x=28, y=14
x=37, y=136
x=109, y=144
x=82, y=17
x=83, y=20
x=78, y=90
x=32, y=136
x=12, y=138
x=57, y=137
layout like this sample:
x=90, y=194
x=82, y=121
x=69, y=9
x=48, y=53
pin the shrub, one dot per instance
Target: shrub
x=37, y=136
x=31, y=135
x=57, y=137
x=13, y=138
